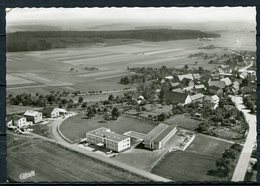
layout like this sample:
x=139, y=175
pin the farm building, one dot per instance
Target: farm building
x=17, y=121
x=227, y=81
x=158, y=136
x=62, y=111
x=33, y=116
x=104, y=137
x=177, y=97
x=50, y=112
x=197, y=98
x=212, y=101
x=199, y=88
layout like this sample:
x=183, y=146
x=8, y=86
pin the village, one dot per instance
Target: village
x=166, y=111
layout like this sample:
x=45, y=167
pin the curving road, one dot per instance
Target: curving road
x=56, y=135
x=243, y=162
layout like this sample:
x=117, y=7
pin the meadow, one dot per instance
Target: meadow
x=194, y=163
x=54, y=163
x=75, y=128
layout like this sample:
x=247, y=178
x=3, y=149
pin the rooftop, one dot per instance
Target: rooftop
x=186, y=76
x=155, y=131
x=227, y=81
x=218, y=84
x=17, y=117
x=164, y=133
x=106, y=133
x=31, y=113
x=48, y=110
x=197, y=96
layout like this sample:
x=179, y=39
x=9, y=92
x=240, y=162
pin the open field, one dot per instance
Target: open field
x=54, y=163
x=75, y=127
x=194, y=163
x=183, y=121
x=14, y=80
x=53, y=67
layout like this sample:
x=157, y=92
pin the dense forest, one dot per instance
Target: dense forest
x=45, y=40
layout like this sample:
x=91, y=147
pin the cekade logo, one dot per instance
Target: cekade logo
x=26, y=175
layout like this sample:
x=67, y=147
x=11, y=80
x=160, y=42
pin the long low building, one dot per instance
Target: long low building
x=110, y=140
x=159, y=136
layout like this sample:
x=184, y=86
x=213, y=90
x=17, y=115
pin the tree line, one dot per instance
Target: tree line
x=45, y=40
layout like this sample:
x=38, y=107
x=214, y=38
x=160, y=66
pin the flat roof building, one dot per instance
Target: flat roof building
x=108, y=139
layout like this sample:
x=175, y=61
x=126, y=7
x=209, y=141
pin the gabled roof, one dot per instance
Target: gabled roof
x=177, y=90
x=199, y=86
x=169, y=77
x=218, y=84
x=31, y=113
x=48, y=110
x=62, y=110
x=197, y=96
x=174, y=84
x=196, y=76
x=235, y=84
x=224, y=66
x=188, y=88
x=178, y=96
x=227, y=81
x=17, y=117
x=186, y=76
x=215, y=98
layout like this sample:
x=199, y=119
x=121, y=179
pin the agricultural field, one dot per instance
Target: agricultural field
x=75, y=128
x=56, y=164
x=66, y=68
x=194, y=163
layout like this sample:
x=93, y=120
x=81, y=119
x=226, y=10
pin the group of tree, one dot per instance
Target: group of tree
x=249, y=103
x=113, y=115
x=45, y=40
x=39, y=100
x=228, y=159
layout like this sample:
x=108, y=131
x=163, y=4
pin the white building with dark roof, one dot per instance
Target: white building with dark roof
x=33, y=116
x=110, y=140
x=17, y=121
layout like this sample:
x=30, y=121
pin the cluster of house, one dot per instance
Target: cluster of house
x=153, y=140
x=189, y=88
x=32, y=117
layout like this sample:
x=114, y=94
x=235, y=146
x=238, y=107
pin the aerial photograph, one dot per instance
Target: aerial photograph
x=131, y=94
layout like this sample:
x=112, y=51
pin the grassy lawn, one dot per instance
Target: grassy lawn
x=183, y=121
x=52, y=163
x=41, y=129
x=194, y=163
x=12, y=109
x=141, y=158
x=75, y=127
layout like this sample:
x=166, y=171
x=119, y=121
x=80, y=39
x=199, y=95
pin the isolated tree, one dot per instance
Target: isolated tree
x=115, y=112
x=84, y=105
x=111, y=97
x=80, y=100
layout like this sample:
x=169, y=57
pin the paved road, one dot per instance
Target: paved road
x=56, y=136
x=243, y=162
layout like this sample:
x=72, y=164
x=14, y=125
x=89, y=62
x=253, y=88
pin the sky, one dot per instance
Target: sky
x=174, y=14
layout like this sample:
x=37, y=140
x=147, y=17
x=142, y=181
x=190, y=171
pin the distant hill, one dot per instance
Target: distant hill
x=45, y=40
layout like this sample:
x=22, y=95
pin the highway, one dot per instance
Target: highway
x=243, y=162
